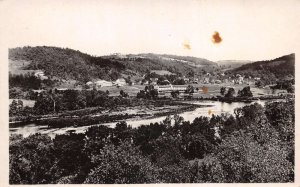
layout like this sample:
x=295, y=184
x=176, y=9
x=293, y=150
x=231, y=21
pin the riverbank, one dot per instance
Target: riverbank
x=240, y=99
x=92, y=116
x=148, y=109
x=201, y=108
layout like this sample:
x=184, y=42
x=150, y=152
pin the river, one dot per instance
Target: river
x=206, y=108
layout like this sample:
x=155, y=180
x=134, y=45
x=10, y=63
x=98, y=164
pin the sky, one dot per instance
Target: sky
x=246, y=30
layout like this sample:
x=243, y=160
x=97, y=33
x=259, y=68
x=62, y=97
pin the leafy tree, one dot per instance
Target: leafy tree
x=167, y=155
x=229, y=126
x=153, y=93
x=245, y=160
x=178, y=120
x=141, y=94
x=191, y=74
x=128, y=80
x=121, y=133
x=96, y=138
x=114, y=75
x=253, y=119
x=230, y=93
x=123, y=94
x=146, y=134
x=179, y=82
x=97, y=98
x=121, y=165
x=15, y=93
x=162, y=80
x=72, y=161
x=190, y=89
x=208, y=169
x=31, y=160
x=175, y=94
x=196, y=145
x=15, y=108
x=44, y=104
x=26, y=81
x=258, y=84
x=245, y=92
x=70, y=100
x=222, y=91
x=290, y=89
x=281, y=117
x=148, y=93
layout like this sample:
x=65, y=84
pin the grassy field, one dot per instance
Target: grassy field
x=204, y=90
x=115, y=91
x=17, y=67
x=210, y=90
x=26, y=102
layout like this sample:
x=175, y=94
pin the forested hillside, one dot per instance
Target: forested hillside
x=64, y=63
x=67, y=63
x=277, y=68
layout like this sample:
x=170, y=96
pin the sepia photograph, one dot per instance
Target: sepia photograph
x=151, y=92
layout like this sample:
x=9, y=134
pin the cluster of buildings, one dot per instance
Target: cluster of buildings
x=207, y=79
x=235, y=79
x=170, y=88
x=154, y=81
x=104, y=83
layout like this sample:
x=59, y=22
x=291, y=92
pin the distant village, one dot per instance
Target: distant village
x=208, y=78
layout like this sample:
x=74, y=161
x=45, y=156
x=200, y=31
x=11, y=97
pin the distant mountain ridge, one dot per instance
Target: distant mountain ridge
x=231, y=64
x=185, y=59
x=234, y=61
x=193, y=61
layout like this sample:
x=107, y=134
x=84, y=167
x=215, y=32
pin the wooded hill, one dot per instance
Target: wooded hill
x=69, y=64
x=278, y=68
x=64, y=63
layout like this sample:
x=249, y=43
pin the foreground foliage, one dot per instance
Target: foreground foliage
x=256, y=144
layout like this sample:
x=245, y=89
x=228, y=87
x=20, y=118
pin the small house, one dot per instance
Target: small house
x=40, y=75
x=103, y=83
x=120, y=82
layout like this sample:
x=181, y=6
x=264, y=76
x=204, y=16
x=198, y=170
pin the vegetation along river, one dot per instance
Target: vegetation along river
x=206, y=108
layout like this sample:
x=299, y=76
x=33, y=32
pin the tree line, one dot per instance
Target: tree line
x=28, y=81
x=54, y=101
x=230, y=92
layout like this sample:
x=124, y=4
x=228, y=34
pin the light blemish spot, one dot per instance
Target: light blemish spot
x=186, y=45
x=204, y=89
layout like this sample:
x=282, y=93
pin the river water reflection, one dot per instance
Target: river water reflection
x=207, y=108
